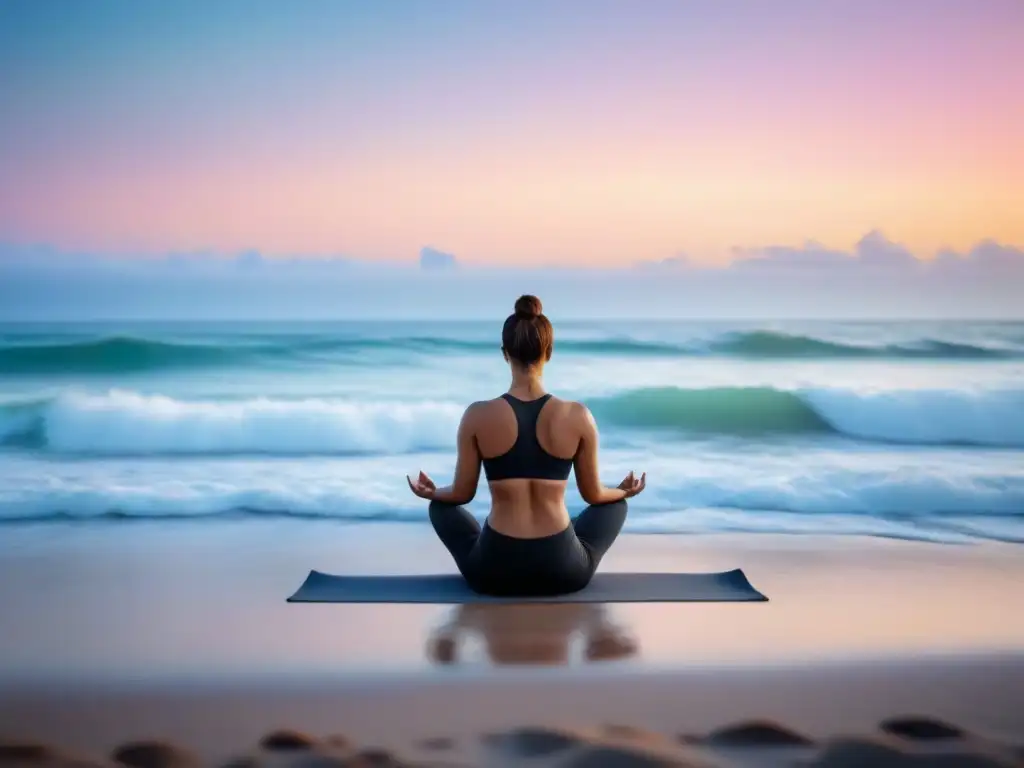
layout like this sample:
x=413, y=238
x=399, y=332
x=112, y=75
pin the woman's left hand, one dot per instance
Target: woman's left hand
x=423, y=486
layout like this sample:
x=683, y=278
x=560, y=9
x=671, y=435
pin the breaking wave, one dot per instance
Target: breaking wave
x=128, y=423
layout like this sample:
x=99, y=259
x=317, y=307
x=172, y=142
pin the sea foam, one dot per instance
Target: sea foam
x=123, y=422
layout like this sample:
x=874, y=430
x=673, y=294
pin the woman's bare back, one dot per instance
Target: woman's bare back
x=527, y=507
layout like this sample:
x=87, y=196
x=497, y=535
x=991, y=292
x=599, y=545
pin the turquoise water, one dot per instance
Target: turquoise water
x=893, y=429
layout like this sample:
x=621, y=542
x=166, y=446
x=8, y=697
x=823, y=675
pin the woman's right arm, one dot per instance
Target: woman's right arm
x=585, y=464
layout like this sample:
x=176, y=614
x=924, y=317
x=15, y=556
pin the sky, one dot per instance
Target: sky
x=536, y=133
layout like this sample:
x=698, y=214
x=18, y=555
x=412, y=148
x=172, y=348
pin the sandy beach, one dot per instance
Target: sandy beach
x=115, y=634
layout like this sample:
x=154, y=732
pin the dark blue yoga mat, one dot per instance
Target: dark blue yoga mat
x=728, y=586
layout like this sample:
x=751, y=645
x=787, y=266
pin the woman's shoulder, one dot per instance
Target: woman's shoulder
x=482, y=408
x=576, y=416
x=569, y=405
x=568, y=414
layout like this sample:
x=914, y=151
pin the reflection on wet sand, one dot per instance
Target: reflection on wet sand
x=544, y=634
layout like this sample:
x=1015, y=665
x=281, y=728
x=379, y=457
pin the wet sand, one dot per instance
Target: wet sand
x=145, y=631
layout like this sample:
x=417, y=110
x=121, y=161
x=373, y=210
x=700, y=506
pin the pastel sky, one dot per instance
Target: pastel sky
x=536, y=131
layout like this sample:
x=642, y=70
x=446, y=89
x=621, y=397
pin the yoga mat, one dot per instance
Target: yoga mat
x=728, y=586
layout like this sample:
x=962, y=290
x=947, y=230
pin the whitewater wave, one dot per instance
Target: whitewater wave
x=943, y=499
x=124, y=354
x=915, y=417
x=129, y=423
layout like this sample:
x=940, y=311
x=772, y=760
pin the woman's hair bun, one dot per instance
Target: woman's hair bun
x=528, y=306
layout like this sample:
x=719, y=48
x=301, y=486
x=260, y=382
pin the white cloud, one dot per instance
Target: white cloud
x=876, y=278
x=431, y=258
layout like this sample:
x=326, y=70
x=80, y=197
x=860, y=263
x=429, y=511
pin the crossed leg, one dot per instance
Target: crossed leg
x=597, y=527
x=457, y=529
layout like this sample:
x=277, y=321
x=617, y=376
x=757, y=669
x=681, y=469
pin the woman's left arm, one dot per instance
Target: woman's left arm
x=467, y=467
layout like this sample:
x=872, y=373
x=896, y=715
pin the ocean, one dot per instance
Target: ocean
x=906, y=430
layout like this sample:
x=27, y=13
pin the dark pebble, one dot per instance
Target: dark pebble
x=531, y=742
x=921, y=728
x=154, y=754
x=25, y=752
x=287, y=741
x=756, y=733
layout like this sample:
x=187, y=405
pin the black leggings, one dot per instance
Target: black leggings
x=495, y=564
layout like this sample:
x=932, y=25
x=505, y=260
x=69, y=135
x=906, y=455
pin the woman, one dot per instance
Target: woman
x=527, y=441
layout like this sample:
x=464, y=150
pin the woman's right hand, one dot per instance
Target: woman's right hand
x=633, y=485
x=423, y=486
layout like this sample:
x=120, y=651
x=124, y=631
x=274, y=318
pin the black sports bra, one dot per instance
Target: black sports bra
x=526, y=458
